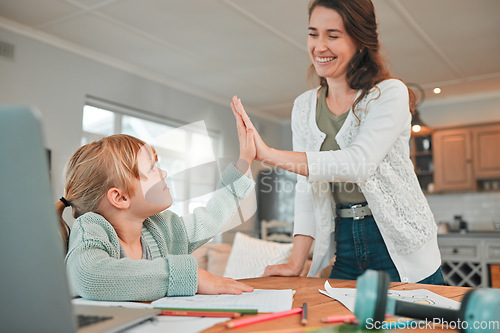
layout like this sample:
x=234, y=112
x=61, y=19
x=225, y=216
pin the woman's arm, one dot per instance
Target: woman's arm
x=387, y=120
x=304, y=227
x=292, y=161
x=389, y=114
x=295, y=265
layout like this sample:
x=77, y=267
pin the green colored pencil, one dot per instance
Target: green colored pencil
x=242, y=311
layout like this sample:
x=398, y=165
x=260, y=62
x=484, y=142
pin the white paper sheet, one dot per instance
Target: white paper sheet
x=135, y=305
x=264, y=300
x=347, y=296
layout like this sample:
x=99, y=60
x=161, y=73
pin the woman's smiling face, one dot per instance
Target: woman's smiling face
x=330, y=46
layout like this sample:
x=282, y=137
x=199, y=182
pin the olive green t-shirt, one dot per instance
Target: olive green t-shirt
x=330, y=124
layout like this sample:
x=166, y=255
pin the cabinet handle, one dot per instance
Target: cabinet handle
x=455, y=251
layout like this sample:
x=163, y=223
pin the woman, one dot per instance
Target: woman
x=351, y=154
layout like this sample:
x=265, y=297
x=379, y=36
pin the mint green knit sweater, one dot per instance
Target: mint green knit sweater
x=93, y=261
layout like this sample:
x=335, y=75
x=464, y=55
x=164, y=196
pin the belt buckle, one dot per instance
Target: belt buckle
x=354, y=216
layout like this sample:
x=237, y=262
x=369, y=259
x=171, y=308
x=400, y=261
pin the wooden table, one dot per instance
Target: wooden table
x=319, y=305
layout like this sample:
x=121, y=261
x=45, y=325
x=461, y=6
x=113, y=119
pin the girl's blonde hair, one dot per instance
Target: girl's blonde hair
x=95, y=168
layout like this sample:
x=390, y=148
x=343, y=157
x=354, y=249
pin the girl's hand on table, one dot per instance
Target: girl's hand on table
x=210, y=284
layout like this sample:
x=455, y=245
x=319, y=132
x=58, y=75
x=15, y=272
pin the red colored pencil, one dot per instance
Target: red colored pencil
x=200, y=314
x=338, y=319
x=260, y=318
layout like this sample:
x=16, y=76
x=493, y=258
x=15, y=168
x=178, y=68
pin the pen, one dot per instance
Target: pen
x=200, y=314
x=264, y=317
x=304, y=314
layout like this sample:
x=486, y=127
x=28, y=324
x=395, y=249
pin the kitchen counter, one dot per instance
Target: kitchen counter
x=467, y=258
x=472, y=234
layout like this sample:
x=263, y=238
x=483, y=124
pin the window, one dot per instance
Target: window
x=187, y=152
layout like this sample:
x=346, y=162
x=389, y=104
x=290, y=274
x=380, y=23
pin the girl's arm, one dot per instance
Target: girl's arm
x=96, y=272
x=224, y=207
x=213, y=285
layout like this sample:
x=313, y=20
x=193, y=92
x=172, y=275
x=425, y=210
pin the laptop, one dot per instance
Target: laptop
x=34, y=294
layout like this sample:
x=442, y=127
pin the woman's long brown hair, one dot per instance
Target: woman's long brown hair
x=366, y=68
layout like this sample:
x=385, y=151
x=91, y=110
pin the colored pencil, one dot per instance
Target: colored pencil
x=260, y=318
x=338, y=319
x=303, y=321
x=200, y=314
x=292, y=330
x=242, y=311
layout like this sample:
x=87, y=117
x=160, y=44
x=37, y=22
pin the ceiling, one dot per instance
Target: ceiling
x=257, y=48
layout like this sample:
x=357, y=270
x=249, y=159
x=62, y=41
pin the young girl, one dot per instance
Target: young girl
x=124, y=244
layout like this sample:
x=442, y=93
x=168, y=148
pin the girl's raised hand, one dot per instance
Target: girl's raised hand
x=239, y=112
x=247, y=144
x=210, y=284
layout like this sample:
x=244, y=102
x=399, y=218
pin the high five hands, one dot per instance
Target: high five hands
x=292, y=161
x=247, y=144
x=243, y=121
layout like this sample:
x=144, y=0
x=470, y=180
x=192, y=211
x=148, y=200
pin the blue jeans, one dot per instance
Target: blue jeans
x=359, y=246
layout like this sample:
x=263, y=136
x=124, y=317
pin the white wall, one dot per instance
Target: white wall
x=479, y=108
x=480, y=210
x=57, y=83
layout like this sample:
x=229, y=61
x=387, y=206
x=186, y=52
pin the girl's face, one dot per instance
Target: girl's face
x=330, y=46
x=152, y=194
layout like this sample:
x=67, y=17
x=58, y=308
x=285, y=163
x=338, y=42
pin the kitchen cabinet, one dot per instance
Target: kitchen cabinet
x=421, y=155
x=486, y=143
x=466, y=158
x=495, y=276
x=453, y=160
x=467, y=259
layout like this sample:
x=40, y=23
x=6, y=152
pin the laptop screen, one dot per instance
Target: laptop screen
x=33, y=288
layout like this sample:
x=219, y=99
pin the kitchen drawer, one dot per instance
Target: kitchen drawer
x=459, y=252
x=493, y=252
x=495, y=276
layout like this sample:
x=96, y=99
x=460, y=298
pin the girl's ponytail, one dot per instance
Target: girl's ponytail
x=63, y=226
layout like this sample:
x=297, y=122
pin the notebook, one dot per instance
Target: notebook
x=34, y=294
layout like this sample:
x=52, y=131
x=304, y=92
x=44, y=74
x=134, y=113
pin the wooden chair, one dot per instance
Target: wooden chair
x=277, y=231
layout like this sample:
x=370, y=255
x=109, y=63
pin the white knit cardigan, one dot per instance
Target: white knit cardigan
x=374, y=154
